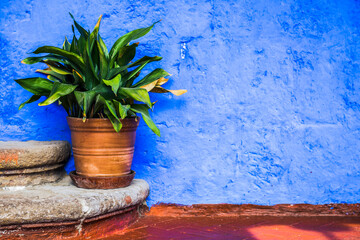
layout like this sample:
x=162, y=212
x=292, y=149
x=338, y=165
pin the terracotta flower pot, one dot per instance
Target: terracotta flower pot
x=98, y=150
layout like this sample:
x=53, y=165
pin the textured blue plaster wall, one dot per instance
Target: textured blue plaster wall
x=272, y=113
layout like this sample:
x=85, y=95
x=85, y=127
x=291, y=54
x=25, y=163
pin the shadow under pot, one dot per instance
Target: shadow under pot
x=102, y=156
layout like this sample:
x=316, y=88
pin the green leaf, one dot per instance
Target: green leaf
x=81, y=43
x=123, y=109
x=114, y=83
x=90, y=74
x=69, y=55
x=73, y=47
x=33, y=98
x=130, y=77
x=126, y=54
x=115, y=71
x=59, y=70
x=138, y=94
x=77, y=77
x=52, y=73
x=66, y=45
x=122, y=41
x=51, y=59
x=58, y=67
x=103, y=60
x=81, y=30
x=105, y=91
x=144, y=111
x=103, y=47
x=37, y=86
x=156, y=74
x=85, y=100
x=95, y=56
x=144, y=59
x=52, y=78
x=97, y=26
x=93, y=53
x=58, y=90
x=111, y=107
x=99, y=104
x=115, y=121
x=32, y=60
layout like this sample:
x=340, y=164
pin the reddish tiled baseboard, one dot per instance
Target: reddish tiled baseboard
x=223, y=210
x=97, y=227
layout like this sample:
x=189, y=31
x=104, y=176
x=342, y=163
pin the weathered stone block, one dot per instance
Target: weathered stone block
x=19, y=155
x=32, y=162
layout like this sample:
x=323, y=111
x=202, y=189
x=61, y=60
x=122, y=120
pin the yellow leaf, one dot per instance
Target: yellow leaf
x=161, y=81
x=150, y=86
x=157, y=82
x=178, y=92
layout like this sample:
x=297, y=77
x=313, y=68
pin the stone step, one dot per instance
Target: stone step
x=32, y=162
x=19, y=155
x=62, y=202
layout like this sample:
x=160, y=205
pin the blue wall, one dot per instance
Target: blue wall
x=273, y=108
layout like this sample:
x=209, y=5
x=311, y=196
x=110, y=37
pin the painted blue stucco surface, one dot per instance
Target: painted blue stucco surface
x=272, y=113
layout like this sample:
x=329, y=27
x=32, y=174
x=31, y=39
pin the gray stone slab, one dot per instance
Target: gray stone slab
x=62, y=201
x=18, y=155
x=30, y=179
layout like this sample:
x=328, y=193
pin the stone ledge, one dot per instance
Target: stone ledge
x=64, y=202
x=32, y=162
x=18, y=155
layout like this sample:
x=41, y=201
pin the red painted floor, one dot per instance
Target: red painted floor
x=256, y=227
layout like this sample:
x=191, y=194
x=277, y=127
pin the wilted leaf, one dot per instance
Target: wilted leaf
x=163, y=90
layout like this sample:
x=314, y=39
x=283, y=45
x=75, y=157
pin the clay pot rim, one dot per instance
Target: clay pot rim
x=99, y=119
x=101, y=124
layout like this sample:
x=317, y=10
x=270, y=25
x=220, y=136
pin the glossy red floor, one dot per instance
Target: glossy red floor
x=261, y=228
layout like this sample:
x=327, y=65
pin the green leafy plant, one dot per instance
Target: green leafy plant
x=91, y=82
